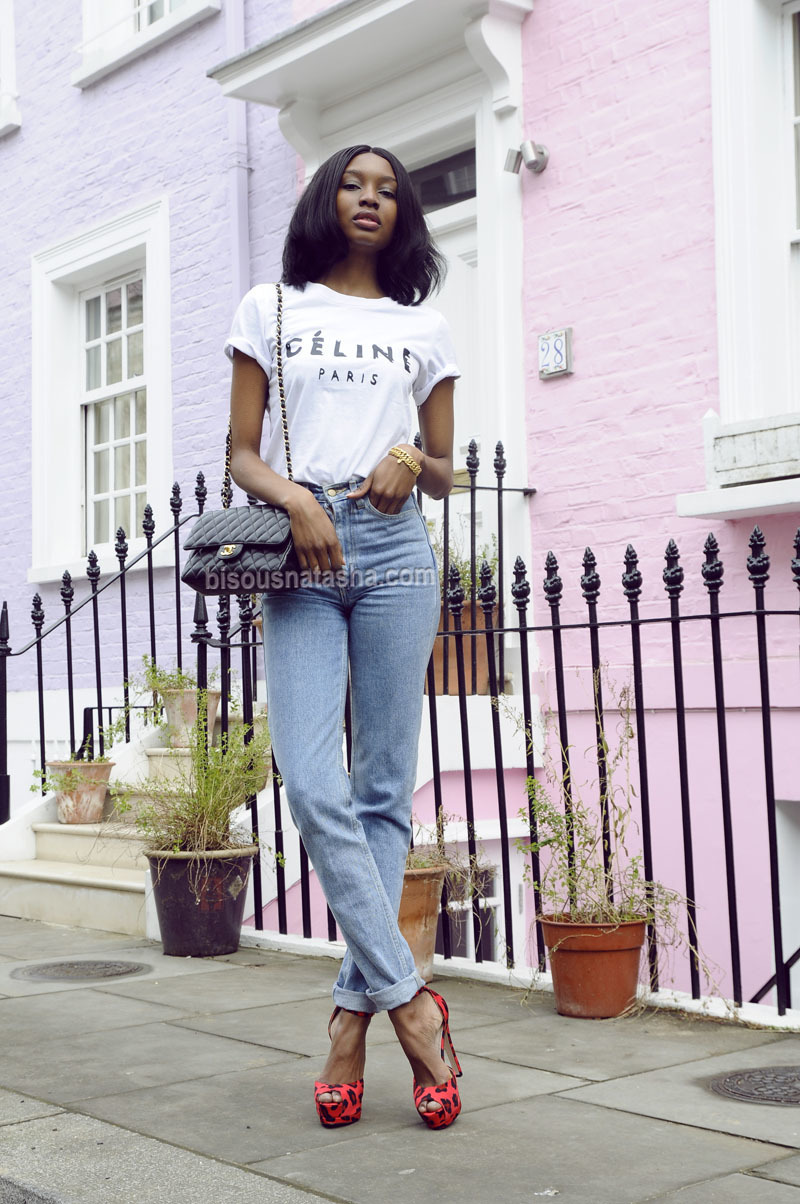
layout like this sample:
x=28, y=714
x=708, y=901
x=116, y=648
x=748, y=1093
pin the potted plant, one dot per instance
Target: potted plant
x=176, y=691
x=457, y=558
x=81, y=782
x=199, y=858
x=595, y=902
x=432, y=862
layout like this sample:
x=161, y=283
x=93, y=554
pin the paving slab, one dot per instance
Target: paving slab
x=519, y=1152
x=787, y=1170
x=149, y=954
x=598, y=1049
x=733, y=1189
x=57, y=1014
x=270, y=1111
x=196, y=992
x=18, y=937
x=303, y=1027
x=80, y=1159
x=81, y=1065
x=682, y=1094
x=15, y=1107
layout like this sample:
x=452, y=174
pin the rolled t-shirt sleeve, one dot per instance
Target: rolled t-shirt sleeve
x=255, y=315
x=437, y=360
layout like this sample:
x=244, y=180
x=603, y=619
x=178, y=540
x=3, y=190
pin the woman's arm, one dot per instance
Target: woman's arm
x=314, y=536
x=391, y=482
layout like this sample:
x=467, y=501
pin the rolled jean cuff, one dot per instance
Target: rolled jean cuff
x=399, y=993
x=353, y=1001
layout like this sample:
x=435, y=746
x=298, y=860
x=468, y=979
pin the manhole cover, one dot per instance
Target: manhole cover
x=767, y=1085
x=83, y=971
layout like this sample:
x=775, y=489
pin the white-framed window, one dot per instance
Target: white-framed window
x=488, y=891
x=752, y=444
x=10, y=119
x=117, y=31
x=101, y=389
x=114, y=409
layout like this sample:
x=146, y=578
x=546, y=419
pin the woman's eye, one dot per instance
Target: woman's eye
x=387, y=192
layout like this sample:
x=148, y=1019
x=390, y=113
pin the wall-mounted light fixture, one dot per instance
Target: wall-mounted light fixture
x=532, y=154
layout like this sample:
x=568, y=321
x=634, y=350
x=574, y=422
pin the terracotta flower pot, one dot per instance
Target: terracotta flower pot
x=481, y=656
x=200, y=900
x=419, y=914
x=595, y=967
x=82, y=790
x=180, y=708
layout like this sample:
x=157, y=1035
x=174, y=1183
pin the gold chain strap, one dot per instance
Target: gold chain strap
x=227, y=488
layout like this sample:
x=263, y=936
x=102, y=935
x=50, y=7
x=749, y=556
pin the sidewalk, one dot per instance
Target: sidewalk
x=192, y=1083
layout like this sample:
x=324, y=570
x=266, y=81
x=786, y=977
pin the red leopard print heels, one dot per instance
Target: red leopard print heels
x=347, y=1109
x=446, y=1093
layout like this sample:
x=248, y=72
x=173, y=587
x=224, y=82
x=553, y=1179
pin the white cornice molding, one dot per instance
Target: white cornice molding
x=312, y=66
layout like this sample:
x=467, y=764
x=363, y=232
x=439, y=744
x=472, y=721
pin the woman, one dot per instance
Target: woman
x=357, y=347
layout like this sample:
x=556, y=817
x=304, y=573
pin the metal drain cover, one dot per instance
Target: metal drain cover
x=80, y=971
x=767, y=1085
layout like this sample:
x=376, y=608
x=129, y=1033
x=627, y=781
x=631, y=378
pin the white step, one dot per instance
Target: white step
x=110, y=898
x=110, y=844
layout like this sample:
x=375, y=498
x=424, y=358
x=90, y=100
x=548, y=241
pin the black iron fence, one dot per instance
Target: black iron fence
x=688, y=740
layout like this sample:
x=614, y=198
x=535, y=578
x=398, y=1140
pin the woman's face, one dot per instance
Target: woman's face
x=366, y=202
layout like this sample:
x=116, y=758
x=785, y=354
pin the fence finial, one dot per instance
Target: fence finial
x=148, y=524
x=632, y=577
x=673, y=573
x=758, y=560
x=455, y=592
x=712, y=568
x=520, y=586
x=175, y=501
x=201, y=491
x=37, y=614
x=499, y=461
x=121, y=547
x=4, y=632
x=487, y=594
x=67, y=592
x=553, y=585
x=473, y=461
x=93, y=569
x=590, y=579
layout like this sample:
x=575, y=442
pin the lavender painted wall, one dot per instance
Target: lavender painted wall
x=156, y=125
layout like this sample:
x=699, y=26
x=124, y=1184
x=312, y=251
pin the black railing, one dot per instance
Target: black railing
x=644, y=649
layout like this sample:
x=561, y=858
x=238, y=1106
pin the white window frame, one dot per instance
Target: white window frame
x=111, y=39
x=758, y=293
x=10, y=118
x=89, y=398
x=138, y=239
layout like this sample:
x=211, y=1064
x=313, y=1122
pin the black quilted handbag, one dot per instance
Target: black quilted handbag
x=244, y=549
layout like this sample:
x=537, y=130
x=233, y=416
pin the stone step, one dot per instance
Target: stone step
x=109, y=844
x=107, y=897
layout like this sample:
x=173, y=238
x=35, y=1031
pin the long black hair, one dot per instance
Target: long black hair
x=409, y=269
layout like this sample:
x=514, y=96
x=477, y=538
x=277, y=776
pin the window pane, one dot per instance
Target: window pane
x=93, y=380
x=155, y=10
x=102, y=415
x=122, y=466
x=100, y=472
x=141, y=411
x=93, y=319
x=135, y=356
x=122, y=416
x=135, y=303
x=447, y=181
x=141, y=462
x=113, y=361
x=122, y=513
x=141, y=502
x=101, y=522
x=113, y=310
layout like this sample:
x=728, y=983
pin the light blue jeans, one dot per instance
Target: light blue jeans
x=377, y=623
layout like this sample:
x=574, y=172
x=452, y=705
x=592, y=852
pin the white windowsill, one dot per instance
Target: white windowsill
x=104, y=59
x=45, y=574
x=742, y=501
x=10, y=118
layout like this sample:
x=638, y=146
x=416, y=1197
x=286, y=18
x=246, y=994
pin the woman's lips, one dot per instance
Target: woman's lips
x=367, y=221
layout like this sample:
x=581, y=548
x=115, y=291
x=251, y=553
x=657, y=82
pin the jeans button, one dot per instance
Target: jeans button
x=331, y=493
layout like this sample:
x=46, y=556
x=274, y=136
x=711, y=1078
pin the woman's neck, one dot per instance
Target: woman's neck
x=355, y=276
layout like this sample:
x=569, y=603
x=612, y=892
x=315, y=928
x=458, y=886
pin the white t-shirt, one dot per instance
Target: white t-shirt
x=351, y=368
